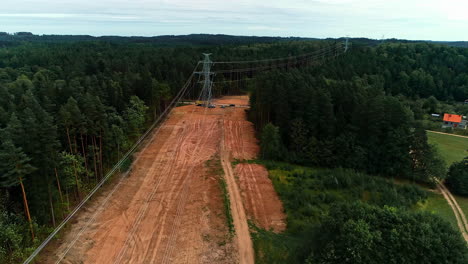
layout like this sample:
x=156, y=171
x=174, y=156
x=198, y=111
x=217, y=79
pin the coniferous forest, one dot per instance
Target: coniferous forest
x=366, y=111
x=71, y=106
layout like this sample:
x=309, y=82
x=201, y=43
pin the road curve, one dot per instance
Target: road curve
x=459, y=215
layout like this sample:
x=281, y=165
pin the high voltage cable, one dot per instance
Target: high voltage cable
x=269, y=67
x=110, y=173
x=276, y=59
x=291, y=61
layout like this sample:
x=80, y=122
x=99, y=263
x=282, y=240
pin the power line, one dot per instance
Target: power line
x=207, y=83
x=275, y=59
x=111, y=172
x=323, y=55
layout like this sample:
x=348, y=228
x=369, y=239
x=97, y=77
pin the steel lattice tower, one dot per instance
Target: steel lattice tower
x=206, y=93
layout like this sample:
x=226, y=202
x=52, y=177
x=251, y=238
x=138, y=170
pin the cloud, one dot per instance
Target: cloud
x=66, y=16
x=414, y=19
x=38, y=15
x=264, y=28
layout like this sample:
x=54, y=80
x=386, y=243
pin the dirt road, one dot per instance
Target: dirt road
x=169, y=209
x=459, y=215
x=454, y=135
x=243, y=239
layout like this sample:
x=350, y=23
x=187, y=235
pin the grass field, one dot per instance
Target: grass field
x=452, y=148
x=463, y=202
x=437, y=204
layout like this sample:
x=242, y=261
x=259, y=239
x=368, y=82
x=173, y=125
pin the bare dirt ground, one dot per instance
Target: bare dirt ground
x=260, y=198
x=169, y=208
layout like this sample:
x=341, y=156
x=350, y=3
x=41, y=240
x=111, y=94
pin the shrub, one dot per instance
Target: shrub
x=457, y=178
x=361, y=233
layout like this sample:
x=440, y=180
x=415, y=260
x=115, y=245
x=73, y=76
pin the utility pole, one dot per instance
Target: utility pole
x=206, y=93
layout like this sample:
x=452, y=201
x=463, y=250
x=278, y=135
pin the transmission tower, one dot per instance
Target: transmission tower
x=382, y=40
x=346, y=44
x=207, y=82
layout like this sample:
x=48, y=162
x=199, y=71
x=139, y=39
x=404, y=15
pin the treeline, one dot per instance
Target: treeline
x=413, y=69
x=166, y=40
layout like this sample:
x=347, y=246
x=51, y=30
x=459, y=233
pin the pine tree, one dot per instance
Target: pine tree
x=14, y=167
x=427, y=165
x=298, y=137
x=135, y=116
x=270, y=143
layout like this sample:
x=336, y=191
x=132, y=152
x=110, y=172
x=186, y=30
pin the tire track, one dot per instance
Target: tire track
x=257, y=192
x=168, y=165
x=182, y=201
x=91, y=219
x=184, y=165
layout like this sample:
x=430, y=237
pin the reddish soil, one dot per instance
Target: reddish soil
x=263, y=206
x=169, y=209
x=260, y=199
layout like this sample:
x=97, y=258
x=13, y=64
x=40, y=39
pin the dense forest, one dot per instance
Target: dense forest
x=70, y=106
x=366, y=110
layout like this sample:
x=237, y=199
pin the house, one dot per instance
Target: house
x=454, y=121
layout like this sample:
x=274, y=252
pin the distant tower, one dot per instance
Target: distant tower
x=346, y=44
x=207, y=82
x=382, y=40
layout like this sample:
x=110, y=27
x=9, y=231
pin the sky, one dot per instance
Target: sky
x=403, y=19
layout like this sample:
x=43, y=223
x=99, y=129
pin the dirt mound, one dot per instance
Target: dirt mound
x=260, y=199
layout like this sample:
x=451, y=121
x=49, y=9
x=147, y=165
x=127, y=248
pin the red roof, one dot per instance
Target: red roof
x=452, y=118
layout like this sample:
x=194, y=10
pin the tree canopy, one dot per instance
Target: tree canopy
x=360, y=233
x=457, y=177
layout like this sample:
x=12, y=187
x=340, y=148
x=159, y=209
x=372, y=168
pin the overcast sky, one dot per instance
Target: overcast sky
x=408, y=19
